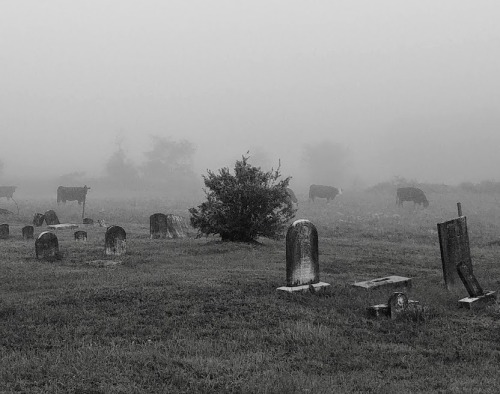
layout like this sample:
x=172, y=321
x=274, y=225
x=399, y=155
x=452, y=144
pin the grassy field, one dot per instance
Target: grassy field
x=201, y=316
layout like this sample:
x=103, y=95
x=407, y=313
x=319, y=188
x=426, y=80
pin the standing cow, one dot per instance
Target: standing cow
x=320, y=191
x=411, y=194
x=71, y=194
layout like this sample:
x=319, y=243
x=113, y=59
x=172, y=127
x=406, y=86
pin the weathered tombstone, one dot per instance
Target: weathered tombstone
x=51, y=218
x=38, y=219
x=455, y=249
x=88, y=221
x=302, y=257
x=47, y=246
x=477, y=297
x=176, y=227
x=80, y=236
x=4, y=231
x=398, y=303
x=28, y=232
x=115, y=241
x=158, y=226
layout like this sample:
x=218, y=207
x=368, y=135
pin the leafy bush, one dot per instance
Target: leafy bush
x=241, y=207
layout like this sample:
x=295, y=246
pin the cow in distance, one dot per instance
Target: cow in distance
x=321, y=191
x=71, y=194
x=411, y=194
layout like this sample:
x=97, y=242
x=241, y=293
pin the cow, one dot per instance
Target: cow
x=320, y=191
x=71, y=194
x=292, y=196
x=7, y=191
x=411, y=194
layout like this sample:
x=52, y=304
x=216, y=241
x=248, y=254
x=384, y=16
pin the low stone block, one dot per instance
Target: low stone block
x=104, y=263
x=489, y=297
x=385, y=310
x=388, y=281
x=63, y=226
x=314, y=287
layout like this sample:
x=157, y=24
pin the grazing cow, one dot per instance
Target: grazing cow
x=292, y=196
x=71, y=194
x=320, y=191
x=7, y=191
x=411, y=194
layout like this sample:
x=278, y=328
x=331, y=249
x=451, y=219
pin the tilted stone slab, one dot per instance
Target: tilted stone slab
x=469, y=280
x=392, y=281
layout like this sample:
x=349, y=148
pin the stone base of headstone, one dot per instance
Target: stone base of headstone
x=63, y=226
x=315, y=287
x=386, y=282
x=383, y=310
x=481, y=301
x=104, y=263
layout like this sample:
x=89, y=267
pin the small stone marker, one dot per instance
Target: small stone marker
x=158, y=226
x=88, y=221
x=477, y=297
x=393, y=281
x=4, y=231
x=38, y=219
x=397, y=305
x=302, y=258
x=51, y=218
x=80, y=236
x=47, y=246
x=455, y=249
x=28, y=232
x=115, y=241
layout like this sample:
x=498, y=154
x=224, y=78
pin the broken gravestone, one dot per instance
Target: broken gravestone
x=302, y=258
x=397, y=305
x=80, y=236
x=115, y=241
x=47, y=246
x=158, y=226
x=28, y=232
x=38, y=219
x=4, y=231
x=477, y=296
x=51, y=218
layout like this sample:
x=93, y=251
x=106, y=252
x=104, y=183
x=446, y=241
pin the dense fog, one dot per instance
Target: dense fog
x=340, y=93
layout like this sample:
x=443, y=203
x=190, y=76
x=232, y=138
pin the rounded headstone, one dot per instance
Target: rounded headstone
x=4, y=231
x=47, y=246
x=302, y=257
x=38, y=219
x=398, y=303
x=51, y=218
x=28, y=232
x=115, y=241
x=80, y=236
x=158, y=227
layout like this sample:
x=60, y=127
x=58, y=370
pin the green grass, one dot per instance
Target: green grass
x=198, y=315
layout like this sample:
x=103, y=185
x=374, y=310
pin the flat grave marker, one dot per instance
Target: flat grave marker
x=392, y=281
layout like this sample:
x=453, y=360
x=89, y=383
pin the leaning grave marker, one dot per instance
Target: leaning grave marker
x=477, y=297
x=47, y=246
x=115, y=241
x=302, y=258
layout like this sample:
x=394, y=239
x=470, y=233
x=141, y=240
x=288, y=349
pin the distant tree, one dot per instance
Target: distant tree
x=242, y=207
x=120, y=167
x=168, y=157
x=326, y=162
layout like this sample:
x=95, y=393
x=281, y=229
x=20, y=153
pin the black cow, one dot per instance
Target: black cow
x=7, y=191
x=71, y=194
x=411, y=194
x=320, y=191
x=292, y=196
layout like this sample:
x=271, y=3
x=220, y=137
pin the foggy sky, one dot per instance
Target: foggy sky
x=410, y=88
